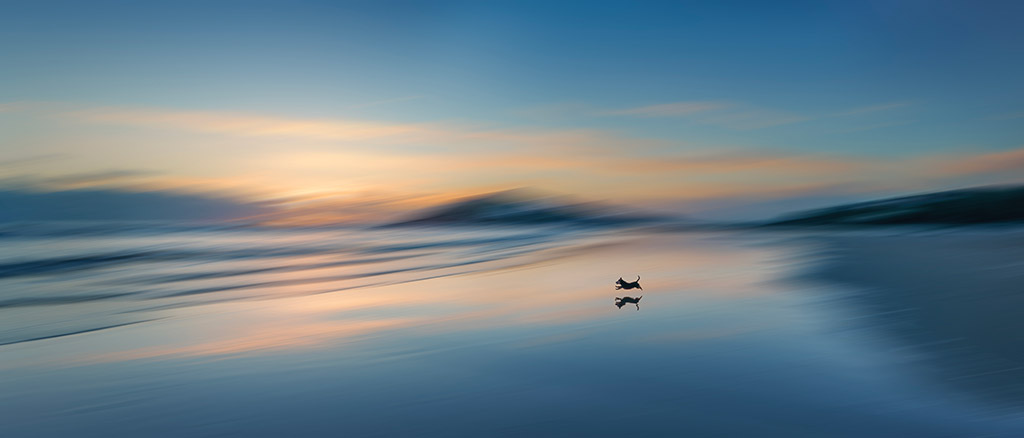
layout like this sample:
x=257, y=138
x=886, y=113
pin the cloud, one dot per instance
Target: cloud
x=751, y=119
x=724, y=114
x=265, y=157
x=94, y=179
x=674, y=109
x=1011, y=161
x=14, y=163
x=737, y=116
x=469, y=137
x=251, y=125
x=871, y=109
x=708, y=163
x=386, y=101
x=743, y=177
x=876, y=126
x=93, y=204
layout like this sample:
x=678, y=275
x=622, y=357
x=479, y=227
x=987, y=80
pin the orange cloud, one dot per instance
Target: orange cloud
x=996, y=162
x=736, y=115
x=360, y=131
x=360, y=168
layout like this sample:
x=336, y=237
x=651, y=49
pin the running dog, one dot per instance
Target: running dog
x=623, y=284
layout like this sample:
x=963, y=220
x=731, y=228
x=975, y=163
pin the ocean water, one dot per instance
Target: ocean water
x=170, y=330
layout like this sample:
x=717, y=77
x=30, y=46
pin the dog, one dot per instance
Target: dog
x=623, y=284
x=628, y=300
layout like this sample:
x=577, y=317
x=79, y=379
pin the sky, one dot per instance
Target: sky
x=722, y=109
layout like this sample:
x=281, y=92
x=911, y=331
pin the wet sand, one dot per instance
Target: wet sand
x=479, y=334
x=955, y=299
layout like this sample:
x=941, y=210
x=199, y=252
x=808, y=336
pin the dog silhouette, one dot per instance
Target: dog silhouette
x=628, y=300
x=623, y=284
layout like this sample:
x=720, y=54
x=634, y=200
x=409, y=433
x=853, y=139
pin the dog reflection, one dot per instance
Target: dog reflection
x=628, y=300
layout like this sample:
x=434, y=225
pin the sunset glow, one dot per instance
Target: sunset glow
x=213, y=116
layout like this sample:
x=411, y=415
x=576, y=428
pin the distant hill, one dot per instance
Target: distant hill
x=518, y=207
x=985, y=205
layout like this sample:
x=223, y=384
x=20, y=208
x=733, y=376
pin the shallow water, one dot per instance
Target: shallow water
x=184, y=331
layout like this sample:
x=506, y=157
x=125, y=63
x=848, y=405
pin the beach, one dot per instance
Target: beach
x=952, y=297
x=508, y=332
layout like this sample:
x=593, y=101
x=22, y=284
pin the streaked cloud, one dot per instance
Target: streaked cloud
x=354, y=130
x=371, y=167
x=674, y=109
x=27, y=161
x=706, y=163
x=250, y=125
x=731, y=115
x=871, y=109
x=739, y=116
x=95, y=179
x=876, y=126
x=386, y=101
x=746, y=119
x=1011, y=161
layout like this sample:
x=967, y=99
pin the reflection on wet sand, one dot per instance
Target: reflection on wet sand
x=619, y=302
x=493, y=331
x=548, y=287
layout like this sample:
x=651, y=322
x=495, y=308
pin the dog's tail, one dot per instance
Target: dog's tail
x=638, y=298
x=637, y=278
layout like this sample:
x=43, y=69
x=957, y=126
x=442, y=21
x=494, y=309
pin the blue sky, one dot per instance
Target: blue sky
x=928, y=86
